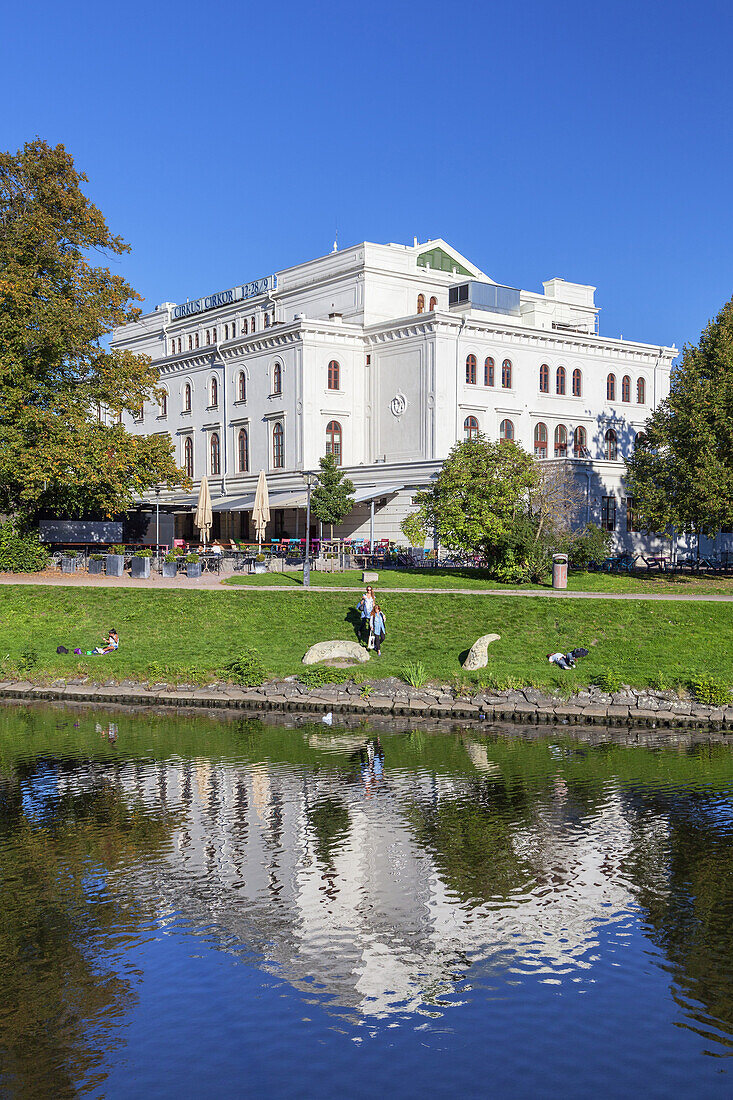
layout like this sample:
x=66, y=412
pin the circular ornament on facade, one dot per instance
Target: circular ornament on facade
x=398, y=404
x=299, y=407
x=431, y=400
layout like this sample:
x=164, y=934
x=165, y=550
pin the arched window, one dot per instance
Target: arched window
x=277, y=379
x=333, y=440
x=560, y=380
x=234, y=329
x=253, y=325
x=267, y=320
x=245, y=326
x=173, y=347
x=561, y=441
x=213, y=393
x=640, y=391
x=577, y=383
x=626, y=388
x=163, y=403
x=243, y=450
x=540, y=440
x=188, y=455
x=190, y=343
x=242, y=386
x=421, y=303
x=471, y=370
x=580, y=443
x=611, y=451
x=639, y=440
x=214, y=452
x=544, y=378
x=208, y=336
x=187, y=397
x=611, y=387
x=506, y=430
x=278, y=446
x=197, y=340
x=470, y=428
x=488, y=371
x=433, y=304
x=226, y=332
x=506, y=375
x=213, y=335
x=180, y=346
x=334, y=375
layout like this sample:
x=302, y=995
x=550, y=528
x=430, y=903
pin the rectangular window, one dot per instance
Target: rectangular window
x=608, y=513
x=632, y=523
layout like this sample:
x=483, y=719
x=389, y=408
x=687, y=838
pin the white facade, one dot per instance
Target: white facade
x=427, y=348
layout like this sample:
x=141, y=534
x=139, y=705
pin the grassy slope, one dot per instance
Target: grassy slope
x=477, y=578
x=164, y=633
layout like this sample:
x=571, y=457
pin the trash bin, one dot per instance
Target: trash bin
x=559, y=570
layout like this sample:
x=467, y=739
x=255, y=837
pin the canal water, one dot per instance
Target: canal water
x=193, y=907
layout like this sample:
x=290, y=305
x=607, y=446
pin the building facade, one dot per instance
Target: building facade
x=386, y=355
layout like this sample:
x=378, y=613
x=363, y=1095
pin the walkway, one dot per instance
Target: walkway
x=209, y=583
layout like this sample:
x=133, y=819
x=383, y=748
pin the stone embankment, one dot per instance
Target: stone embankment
x=629, y=708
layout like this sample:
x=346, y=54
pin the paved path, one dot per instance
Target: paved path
x=213, y=584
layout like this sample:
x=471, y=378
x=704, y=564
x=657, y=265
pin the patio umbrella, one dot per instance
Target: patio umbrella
x=204, y=516
x=261, y=507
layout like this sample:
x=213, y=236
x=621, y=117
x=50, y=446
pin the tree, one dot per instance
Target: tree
x=681, y=471
x=333, y=496
x=555, y=501
x=481, y=490
x=57, y=453
x=414, y=528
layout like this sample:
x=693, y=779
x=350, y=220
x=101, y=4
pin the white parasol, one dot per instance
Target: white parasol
x=261, y=507
x=204, y=517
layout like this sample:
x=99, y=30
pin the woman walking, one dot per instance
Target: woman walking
x=365, y=608
x=377, y=624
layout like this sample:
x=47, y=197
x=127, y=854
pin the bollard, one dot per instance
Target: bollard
x=559, y=570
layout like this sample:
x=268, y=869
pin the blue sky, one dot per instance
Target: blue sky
x=224, y=141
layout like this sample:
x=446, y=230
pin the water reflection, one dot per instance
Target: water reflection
x=388, y=878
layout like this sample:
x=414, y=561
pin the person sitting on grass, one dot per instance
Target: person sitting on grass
x=111, y=642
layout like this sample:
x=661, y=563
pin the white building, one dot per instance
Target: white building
x=386, y=355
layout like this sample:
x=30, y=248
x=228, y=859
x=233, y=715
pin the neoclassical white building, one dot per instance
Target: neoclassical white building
x=386, y=355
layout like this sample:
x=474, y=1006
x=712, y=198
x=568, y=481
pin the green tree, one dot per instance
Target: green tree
x=681, y=471
x=333, y=496
x=56, y=374
x=479, y=494
x=414, y=528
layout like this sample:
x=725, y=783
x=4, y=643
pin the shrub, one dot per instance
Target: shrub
x=70, y=553
x=607, y=681
x=171, y=557
x=97, y=557
x=21, y=553
x=592, y=547
x=192, y=559
x=414, y=673
x=413, y=527
x=324, y=674
x=117, y=550
x=143, y=554
x=246, y=669
x=709, y=690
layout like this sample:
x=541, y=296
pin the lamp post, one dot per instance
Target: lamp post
x=157, y=519
x=307, y=563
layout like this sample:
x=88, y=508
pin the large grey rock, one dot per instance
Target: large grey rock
x=478, y=654
x=328, y=651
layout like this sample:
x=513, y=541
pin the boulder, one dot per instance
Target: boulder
x=478, y=654
x=328, y=651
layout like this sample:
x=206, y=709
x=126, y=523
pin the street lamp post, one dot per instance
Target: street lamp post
x=307, y=563
x=157, y=519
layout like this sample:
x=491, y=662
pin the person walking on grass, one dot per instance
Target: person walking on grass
x=377, y=623
x=365, y=607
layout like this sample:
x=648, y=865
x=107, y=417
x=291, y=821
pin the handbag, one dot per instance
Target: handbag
x=370, y=643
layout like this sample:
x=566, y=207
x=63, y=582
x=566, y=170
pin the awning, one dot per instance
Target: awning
x=289, y=500
x=375, y=492
x=234, y=504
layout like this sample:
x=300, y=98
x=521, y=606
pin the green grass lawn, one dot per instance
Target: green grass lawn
x=191, y=635
x=451, y=579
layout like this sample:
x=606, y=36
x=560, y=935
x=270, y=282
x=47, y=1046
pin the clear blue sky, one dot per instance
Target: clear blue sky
x=224, y=141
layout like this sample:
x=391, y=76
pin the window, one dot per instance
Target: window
x=577, y=383
x=611, y=387
x=188, y=455
x=140, y=412
x=208, y=336
x=544, y=378
x=163, y=404
x=632, y=522
x=213, y=335
x=506, y=430
x=214, y=452
x=253, y=325
x=471, y=370
x=421, y=303
x=560, y=380
x=245, y=326
x=242, y=386
x=433, y=304
x=640, y=391
x=233, y=329
x=243, y=450
x=190, y=343
x=626, y=388
x=267, y=320
x=277, y=379
x=489, y=371
x=333, y=440
x=540, y=440
x=608, y=513
x=639, y=440
x=278, y=446
x=334, y=375
x=561, y=441
x=226, y=332
x=580, y=443
x=506, y=374
x=213, y=393
x=173, y=347
x=470, y=428
x=611, y=451
x=197, y=340
x=187, y=397
x=180, y=345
